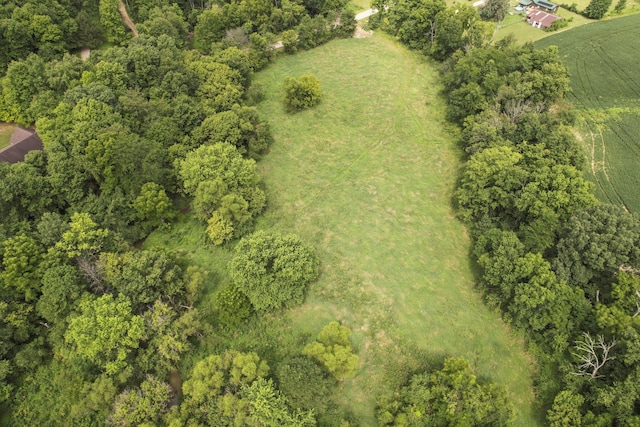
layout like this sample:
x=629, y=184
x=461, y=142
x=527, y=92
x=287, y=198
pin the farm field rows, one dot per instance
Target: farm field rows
x=604, y=66
x=367, y=178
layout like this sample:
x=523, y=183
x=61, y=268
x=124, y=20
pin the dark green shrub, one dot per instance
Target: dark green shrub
x=305, y=383
x=231, y=305
x=273, y=270
x=558, y=24
x=597, y=9
x=290, y=41
x=302, y=93
x=255, y=94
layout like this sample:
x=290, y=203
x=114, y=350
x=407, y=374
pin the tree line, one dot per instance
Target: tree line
x=560, y=265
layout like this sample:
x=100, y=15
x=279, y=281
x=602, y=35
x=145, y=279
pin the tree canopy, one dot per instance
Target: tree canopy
x=272, y=270
x=450, y=396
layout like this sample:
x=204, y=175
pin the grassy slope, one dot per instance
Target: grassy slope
x=360, y=5
x=605, y=77
x=367, y=177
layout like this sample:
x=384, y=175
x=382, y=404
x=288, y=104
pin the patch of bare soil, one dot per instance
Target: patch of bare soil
x=6, y=127
x=361, y=33
x=126, y=19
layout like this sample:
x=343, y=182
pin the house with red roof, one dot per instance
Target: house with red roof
x=539, y=19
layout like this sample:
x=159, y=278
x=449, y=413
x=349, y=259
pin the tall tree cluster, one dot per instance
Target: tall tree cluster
x=92, y=328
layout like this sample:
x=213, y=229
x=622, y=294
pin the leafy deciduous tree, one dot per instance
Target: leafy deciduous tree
x=333, y=349
x=104, y=333
x=597, y=8
x=145, y=405
x=451, y=396
x=494, y=10
x=212, y=393
x=231, y=305
x=301, y=93
x=273, y=270
x=83, y=239
x=21, y=263
x=142, y=276
x=153, y=205
x=596, y=242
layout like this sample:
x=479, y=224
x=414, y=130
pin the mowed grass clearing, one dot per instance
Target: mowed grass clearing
x=6, y=130
x=604, y=64
x=367, y=177
x=517, y=26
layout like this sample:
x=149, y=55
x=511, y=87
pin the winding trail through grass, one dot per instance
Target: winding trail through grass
x=367, y=177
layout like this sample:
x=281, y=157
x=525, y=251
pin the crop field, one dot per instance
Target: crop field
x=367, y=178
x=604, y=65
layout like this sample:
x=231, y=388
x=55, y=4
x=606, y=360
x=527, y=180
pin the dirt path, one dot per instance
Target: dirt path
x=125, y=18
x=367, y=13
x=361, y=33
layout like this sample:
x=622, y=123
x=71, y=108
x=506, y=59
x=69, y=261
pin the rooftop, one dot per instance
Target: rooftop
x=22, y=141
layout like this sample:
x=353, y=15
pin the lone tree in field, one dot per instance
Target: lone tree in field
x=494, y=10
x=597, y=9
x=273, y=270
x=302, y=93
x=333, y=349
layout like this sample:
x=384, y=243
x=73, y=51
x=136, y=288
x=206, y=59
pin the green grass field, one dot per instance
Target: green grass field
x=516, y=24
x=605, y=77
x=360, y=5
x=367, y=178
x=6, y=130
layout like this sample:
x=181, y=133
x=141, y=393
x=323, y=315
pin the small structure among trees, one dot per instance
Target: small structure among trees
x=540, y=19
x=542, y=5
x=22, y=141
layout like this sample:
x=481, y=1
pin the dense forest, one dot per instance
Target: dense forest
x=157, y=120
x=160, y=120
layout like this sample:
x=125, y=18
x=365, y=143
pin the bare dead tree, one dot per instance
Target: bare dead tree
x=593, y=355
x=91, y=271
x=637, y=304
x=629, y=269
x=514, y=108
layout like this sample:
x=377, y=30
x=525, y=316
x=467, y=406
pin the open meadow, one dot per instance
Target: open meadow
x=367, y=178
x=605, y=78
